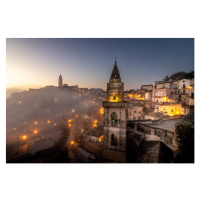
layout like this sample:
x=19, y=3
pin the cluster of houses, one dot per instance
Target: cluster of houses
x=165, y=98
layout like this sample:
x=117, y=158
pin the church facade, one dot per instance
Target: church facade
x=115, y=118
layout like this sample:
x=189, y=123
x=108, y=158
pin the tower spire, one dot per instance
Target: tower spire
x=115, y=72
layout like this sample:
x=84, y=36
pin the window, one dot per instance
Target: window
x=113, y=139
x=134, y=111
x=115, y=75
x=114, y=96
x=172, y=111
x=114, y=119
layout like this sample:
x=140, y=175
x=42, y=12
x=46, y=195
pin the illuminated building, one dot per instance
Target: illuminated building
x=60, y=81
x=163, y=95
x=170, y=109
x=115, y=112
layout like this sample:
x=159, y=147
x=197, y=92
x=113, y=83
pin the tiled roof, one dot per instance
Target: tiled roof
x=92, y=147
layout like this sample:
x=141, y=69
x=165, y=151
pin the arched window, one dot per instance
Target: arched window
x=114, y=96
x=114, y=119
x=115, y=75
x=113, y=139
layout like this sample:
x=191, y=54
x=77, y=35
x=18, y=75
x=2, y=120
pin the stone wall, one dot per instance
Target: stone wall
x=158, y=134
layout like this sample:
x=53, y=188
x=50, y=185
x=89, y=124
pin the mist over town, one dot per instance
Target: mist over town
x=151, y=122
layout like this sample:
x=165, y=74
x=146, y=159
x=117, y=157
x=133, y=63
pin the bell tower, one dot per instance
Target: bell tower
x=115, y=113
x=60, y=81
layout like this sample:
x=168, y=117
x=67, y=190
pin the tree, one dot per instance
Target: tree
x=166, y=78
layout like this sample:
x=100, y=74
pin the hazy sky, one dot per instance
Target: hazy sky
x=89, y=62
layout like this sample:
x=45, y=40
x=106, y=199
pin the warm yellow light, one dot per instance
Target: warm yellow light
x=48, y=122
x=130, y=95
x=54, y=124
x=102, y=111
x=72, y=142
x=35, y=123
x=35, y=131
x=55, y=99
x=24, y=137
x=100, y=138
x=73, y=110
x=69, y=125
x=137, y=96
x=86, y=117
x=95, y=121
x=69, y=120
x=76, y=115
x=94, y=125
x=177, y=112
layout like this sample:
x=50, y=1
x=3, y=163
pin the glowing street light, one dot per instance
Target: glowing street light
x=72, y=142
x=35, y=123
x=48, y=122
x=24, y=137
x=35, y=131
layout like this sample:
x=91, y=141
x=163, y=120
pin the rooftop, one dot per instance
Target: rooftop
x=168, y=125
x=92, y=147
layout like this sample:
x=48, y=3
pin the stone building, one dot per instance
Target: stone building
x=60, y=81
x=162, y=95
x=115, y=112
x=147, y=87
x=170, y=109
x=135, y=111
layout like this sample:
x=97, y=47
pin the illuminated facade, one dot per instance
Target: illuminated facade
x=170, y=109
x=115, y=112
x=60, y=81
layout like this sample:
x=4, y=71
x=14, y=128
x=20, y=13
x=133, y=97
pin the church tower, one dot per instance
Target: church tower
x=60, y=81
x=115, y=113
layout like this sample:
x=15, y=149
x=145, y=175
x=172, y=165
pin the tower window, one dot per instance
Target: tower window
x=115, y=75
x=113, y=139
x=114, y=96
x=114, y=119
